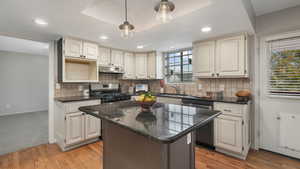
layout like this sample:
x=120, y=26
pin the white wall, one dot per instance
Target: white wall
x=278, y=22
x=24, y=82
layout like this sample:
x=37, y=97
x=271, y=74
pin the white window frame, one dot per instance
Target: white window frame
x=266, y=55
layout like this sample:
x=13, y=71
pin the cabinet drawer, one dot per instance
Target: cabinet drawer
x=73, y=107
x=229, y=109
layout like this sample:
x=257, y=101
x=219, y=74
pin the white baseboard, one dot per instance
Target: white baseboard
x=8, y=114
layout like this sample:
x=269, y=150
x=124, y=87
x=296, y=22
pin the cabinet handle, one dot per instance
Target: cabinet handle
x=227, y=110
x=212, y=74
x=82, y=114
x=218, y=74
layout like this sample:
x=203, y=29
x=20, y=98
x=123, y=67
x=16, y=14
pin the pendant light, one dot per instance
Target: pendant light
x=164, y=10
x=126, y=28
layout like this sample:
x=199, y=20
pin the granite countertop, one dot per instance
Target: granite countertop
x=75, y=98
x=165, y=123
x=234, y=100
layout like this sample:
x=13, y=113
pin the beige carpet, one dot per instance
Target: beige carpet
x=22, y=131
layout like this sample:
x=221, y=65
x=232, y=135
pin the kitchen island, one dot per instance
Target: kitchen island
x=162, y=138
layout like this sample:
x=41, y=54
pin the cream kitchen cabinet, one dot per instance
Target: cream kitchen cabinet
x=104, y=56
x=129, y=66
x=90, y=50
x=92, y=127
x=151, y=65
x=73, y=128
x=223, y=58
x=141, y=65
x=80, y=49
x=117, y=58
x=232, y=129
x=231, y=57
x=73, y=47
x=77, y=61
x=204, y=59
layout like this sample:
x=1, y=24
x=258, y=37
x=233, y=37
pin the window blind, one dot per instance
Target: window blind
x=284, y=72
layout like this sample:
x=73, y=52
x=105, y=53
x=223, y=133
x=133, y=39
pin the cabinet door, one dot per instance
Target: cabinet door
x=204, y=59
x=117, y=58
x=228, y=133
x=141, y=65
x=231, y=54
x=72, y=47
x=104, y=56
x=90, y=50
x=74, y=128
x=92, y=127
x=151, y=65
x=129, y=66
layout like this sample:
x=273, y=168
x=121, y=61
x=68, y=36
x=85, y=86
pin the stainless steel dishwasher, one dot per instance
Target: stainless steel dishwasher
x=205, y=134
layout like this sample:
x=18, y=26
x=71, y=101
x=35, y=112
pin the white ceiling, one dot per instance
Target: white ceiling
x=267, y=6
x=23, y=46
x=88, y=19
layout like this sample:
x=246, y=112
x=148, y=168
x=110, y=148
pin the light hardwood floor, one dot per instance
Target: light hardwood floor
x=49, y=156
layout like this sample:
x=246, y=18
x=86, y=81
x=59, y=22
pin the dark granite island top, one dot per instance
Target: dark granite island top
x=160, y=139
x=165, y=123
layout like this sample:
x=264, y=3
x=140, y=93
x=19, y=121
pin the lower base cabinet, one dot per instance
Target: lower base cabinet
x=74, y=128
x=232, y=135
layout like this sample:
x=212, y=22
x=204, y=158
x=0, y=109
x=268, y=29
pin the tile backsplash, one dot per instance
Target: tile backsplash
x=201, y=86
x=197, y=88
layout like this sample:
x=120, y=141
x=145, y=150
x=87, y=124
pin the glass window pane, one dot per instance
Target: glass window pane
x=185, y=68
x=185, y=59
x=177, y=60
x=177, y=69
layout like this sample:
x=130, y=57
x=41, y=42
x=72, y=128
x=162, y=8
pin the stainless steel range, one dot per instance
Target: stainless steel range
x=107, y=92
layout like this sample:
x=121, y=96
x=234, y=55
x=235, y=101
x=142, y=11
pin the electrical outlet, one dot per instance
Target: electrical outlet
x=80, y=88
x=199, y=86
x=57, y=86
x=221, y=87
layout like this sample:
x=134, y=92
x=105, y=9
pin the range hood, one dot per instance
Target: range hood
x=111, y=69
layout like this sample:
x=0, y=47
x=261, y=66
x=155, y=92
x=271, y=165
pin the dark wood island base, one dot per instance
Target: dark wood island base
x=124, y=149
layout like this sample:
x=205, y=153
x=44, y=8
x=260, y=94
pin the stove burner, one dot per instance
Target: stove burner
x=107, y=97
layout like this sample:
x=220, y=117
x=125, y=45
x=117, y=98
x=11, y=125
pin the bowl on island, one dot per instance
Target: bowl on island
x=146, y=101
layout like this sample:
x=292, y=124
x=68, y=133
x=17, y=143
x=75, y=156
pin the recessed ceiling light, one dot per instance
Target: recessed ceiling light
x=140, y=47
x=172, y=47
x=206, y=29
x=103, y=37
x=41, y=22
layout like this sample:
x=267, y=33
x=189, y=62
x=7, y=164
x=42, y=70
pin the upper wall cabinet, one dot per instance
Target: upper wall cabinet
x=77, y=61
x=151, y=65
x=80, y=49
x=72, y=47
x=104, y=56
x=117, y=58
x=90, y=50
x=141, y=65
x=129, y=66
x=231, y=57
x=204, y=59
x=222, y=58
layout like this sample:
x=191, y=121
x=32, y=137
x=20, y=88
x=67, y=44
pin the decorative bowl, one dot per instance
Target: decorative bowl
x=146, y=105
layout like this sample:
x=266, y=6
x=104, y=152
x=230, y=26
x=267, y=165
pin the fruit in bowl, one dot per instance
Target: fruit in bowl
x=146, y=100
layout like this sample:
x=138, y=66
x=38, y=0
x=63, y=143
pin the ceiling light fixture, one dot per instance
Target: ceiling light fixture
x=206, y=29
x=40, y=22
x=140, y=47
x=126, y=28
x=164, y=10
x=103, y=37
